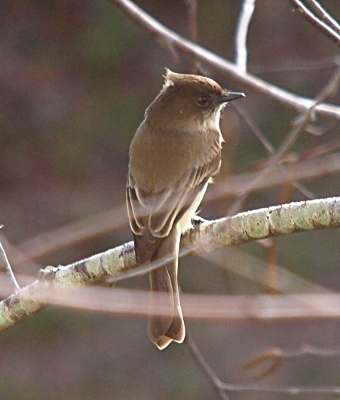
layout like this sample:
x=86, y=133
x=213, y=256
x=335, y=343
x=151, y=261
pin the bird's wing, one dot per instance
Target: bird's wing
x=152, y=215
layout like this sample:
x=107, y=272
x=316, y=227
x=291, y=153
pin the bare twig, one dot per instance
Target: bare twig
x=289, y=390
x=303, y=190
x=109, y=220
x=205, y=367
x=69, y=234
x=306, y=350
x=270, y=149
x=254, y=128
x=330, y=31
x=298, y=65
x=5, y=265
x=170, y=40
x=244, y=21
x=292, y=136
x=302, y=171
x=304, y=117
x=276, y=356
x=126, y=303
x=323, y=14
x=256, y=270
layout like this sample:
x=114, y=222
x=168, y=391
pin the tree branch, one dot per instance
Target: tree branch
x=275, y=356
x=299, y=124
x=318, y=19
x=323, y=15
x=221, y=387
x=120, y=262
x=171, y=40
x=244, y=21
x=232, y=186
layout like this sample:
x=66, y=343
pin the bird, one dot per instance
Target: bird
x=173, y=155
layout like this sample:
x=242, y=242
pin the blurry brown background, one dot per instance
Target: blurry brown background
x=75, y=79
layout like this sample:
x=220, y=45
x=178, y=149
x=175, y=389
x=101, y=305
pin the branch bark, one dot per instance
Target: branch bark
x=120, y=262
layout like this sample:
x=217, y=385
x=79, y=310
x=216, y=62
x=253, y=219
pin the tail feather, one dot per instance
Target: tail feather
x=166, y=323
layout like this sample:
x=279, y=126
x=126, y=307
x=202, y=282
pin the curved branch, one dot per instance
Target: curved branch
x=120, y=261
x=171, y=40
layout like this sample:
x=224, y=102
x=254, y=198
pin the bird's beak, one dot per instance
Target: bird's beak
x=230, y=96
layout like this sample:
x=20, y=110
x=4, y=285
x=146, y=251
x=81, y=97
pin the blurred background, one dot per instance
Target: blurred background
x=75, y=79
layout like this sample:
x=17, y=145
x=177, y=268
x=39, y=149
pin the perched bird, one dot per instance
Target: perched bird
x=174, y=153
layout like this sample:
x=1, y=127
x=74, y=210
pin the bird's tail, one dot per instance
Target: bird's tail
x=166, y=322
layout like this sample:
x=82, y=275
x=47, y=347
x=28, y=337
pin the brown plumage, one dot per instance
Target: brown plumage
x=174, y=153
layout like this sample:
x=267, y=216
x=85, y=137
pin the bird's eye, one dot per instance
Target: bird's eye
x=202, y=100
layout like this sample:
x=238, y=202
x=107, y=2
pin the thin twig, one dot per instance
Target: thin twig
x=5, y=265
x=315, y=21
x=256, y=270
x=254, y=128
x=270, y=149
x=304, y=191
x=205, y=367
x=300, y=123
x=276, y=356
x=109, y=220
x=297, y=65
x=289, y=390
x=69, y=234
x=323, y=14
x=131, y=302
x=244, y=21
x=222, y=387
x=306, y=350
x=170, y=40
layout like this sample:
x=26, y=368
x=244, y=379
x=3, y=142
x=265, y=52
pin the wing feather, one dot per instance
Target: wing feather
x=153, y=215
